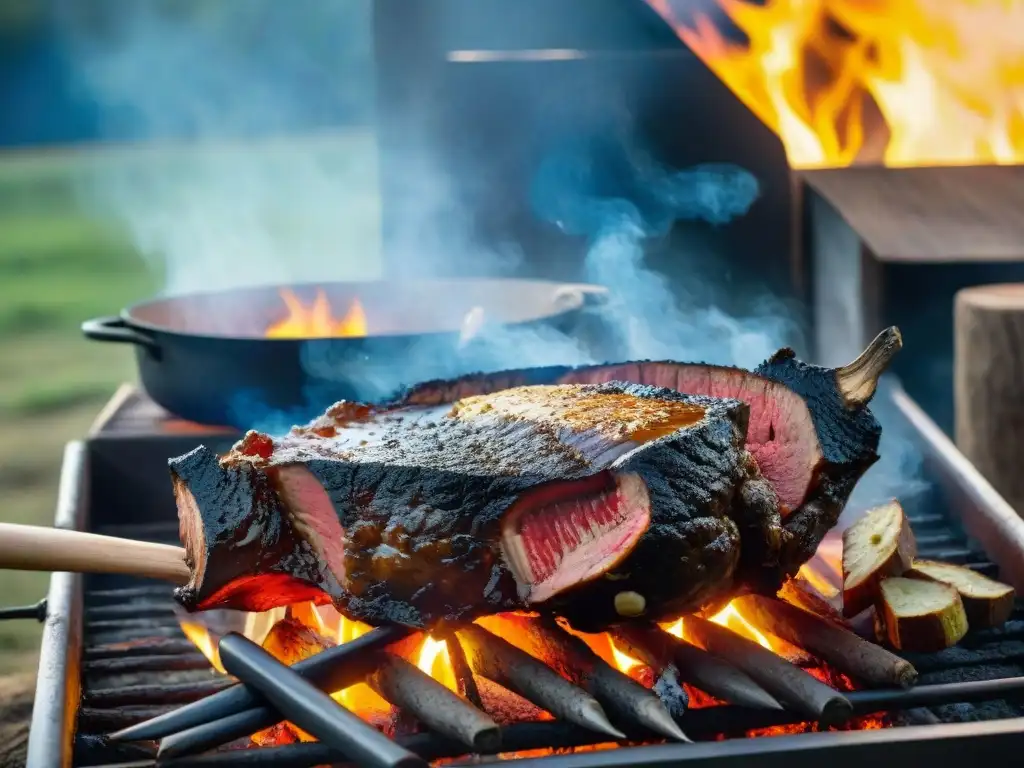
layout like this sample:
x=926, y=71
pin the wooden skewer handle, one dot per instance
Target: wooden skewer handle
x=34, y=548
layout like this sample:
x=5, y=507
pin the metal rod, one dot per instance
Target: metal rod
x=37, y=612
x=498, y=660
x=310, y=708
x=620, y=695
x=705, y=722
x=791, y=686
x=849, y=653
x=144, y=646
x=179, y=662
x=417, y=693
x=331, y=670
x=162, y=693
x=716, y=677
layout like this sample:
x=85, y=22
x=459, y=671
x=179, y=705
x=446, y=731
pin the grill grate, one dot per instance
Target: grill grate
x=134, y=662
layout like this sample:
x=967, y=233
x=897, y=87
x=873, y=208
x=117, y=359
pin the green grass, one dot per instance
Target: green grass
x=61, y=264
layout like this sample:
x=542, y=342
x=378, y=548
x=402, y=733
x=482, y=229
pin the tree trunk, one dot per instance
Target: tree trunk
x=989, y=384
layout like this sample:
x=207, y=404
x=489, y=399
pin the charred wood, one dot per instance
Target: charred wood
x=463, y=674
x=498, y=660
x=621, y=696
x=310, y=708
x=404, y=685
x=790, y=685
x=847, y=652
x=657, y=649
x=331, y=670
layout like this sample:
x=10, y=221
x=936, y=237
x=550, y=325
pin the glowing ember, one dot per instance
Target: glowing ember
x=946, y=76
x=302, y=629
x=316, y=321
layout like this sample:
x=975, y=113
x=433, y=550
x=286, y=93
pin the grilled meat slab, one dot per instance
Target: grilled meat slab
x=810, y=431
x=599, y=502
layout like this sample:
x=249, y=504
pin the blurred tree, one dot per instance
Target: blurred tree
x=76, y=70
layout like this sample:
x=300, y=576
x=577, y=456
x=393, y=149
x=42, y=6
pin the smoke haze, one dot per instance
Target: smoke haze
x=218, y=214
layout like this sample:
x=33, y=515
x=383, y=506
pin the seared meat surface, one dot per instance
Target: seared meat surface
x=600, y=493
x=555, y=497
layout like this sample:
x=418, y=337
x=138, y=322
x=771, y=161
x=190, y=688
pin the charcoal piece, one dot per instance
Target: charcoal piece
x=310, y=708
x=330, y=670
x=669, y=689
x=501, y=662
x=788, y=684
x=463, y=674
x=620, y=696
x=413, y=691
x=866, y=662
x=716, y=677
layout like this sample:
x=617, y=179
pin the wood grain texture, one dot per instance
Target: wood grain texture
x=939, y=215
x=989, y=384
x=16, y=693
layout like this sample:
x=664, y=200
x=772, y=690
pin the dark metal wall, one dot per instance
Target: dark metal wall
x=481, y=128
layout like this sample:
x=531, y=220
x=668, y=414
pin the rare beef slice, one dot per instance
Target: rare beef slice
x=598, y=502
x=810, y=431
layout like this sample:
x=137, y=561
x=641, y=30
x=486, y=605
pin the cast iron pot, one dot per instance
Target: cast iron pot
x=204, y=356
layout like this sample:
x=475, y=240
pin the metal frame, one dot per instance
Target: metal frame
x=976, y=505
x=58, y=683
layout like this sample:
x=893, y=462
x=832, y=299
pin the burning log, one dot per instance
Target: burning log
x=331, y=670
x=618, y=693
x=501, y=662
x=799, y=593
x=411, y=690
x=657, y=649
x=463, y=674
x=310, y=708
x=789, y=684
x=847, y=652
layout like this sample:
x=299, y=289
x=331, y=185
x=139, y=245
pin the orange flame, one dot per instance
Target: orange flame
x=302, y=629
x=316, y=321
x=944, y=78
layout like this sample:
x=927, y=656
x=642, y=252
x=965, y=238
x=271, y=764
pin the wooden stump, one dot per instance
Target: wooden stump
x=989, y=384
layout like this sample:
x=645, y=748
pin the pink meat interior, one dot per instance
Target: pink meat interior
x=780, y=434
x=565, y=534
x=313, y=516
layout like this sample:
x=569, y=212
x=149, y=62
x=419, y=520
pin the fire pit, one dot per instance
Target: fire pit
x=120, y=645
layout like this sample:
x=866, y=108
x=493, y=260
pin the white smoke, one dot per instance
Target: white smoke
x=217, y=214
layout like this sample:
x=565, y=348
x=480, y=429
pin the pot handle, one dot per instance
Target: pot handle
x=116, y=329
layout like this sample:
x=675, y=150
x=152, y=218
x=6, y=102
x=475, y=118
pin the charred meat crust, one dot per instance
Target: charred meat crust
x=847, y=444
x=240, y=550
x=421, y=510
x=422, y=514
